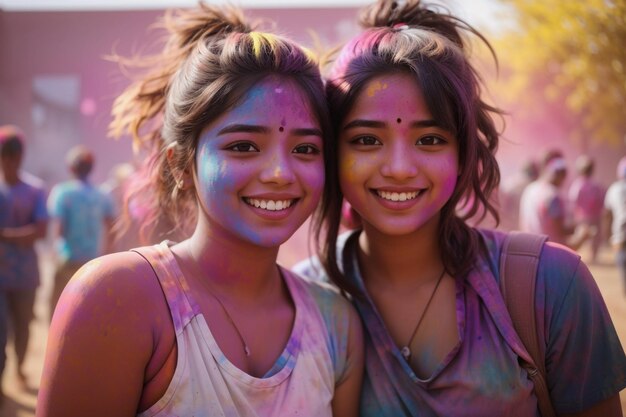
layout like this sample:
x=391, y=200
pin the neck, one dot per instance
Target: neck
x=229, y=265
x=400, y=260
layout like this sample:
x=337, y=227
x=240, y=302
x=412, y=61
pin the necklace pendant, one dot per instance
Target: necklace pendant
x=246, y=350
x=406, y=353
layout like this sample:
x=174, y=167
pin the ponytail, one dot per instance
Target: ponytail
x=141, y=104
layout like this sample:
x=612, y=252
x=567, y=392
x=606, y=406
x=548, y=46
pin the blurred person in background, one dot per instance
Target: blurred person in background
x=82, y=217
x=615, y=217
x=23, y=220
x=586, y=199
x=511, y=191
x=122, y=238
x=543, y=209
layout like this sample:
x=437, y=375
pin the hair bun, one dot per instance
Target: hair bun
x=189, y=26
x=412, y=13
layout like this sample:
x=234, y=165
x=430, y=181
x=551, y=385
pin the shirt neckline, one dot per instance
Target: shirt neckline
x=283, y=365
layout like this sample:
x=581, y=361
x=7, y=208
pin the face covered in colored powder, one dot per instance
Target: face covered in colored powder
x=260, y=167
x=397, y=167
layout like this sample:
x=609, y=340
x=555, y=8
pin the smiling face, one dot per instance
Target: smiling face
x=397, y=167
x=260, y=168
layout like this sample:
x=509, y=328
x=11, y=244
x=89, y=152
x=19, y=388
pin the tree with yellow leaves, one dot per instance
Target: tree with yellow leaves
x=569, y=55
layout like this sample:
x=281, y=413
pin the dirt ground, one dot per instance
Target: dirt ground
x=21, y=401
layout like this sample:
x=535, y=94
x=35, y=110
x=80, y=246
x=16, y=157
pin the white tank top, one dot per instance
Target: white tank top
x=207, y=384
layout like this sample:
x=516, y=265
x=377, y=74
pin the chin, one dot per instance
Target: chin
x=403, y=228
x=270, y=240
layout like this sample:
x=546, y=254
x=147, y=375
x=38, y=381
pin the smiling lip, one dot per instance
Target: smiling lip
x=272, y=208
x=397, y=199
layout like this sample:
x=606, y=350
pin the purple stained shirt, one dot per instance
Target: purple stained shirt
x=541, y=209
x=481, y=376
x=21, y=204
x=587, y=199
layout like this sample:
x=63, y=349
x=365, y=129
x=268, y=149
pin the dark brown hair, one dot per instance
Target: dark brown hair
x=80, y=160
x=211, y=58
x=429, y=45
x=11, y=141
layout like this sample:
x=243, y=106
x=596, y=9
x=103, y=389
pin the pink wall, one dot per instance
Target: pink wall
x=35, y=44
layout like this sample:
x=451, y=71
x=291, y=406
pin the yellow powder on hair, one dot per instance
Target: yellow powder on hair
x=259, y=39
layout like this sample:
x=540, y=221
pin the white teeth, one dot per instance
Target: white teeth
x=270, y=205
x=393, y=196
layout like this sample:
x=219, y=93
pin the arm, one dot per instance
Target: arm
x=348, y=390
x=27, y=234
x=577, y=235
x=566, y=234
x=24, y=235
x=100, y=341
x=579, y=330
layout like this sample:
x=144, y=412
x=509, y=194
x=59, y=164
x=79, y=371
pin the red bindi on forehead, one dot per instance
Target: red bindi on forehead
x=281, y=129
x=398, y=120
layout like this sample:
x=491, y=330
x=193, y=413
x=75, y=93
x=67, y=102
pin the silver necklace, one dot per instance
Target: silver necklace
x=246, y=349
x=406, y=350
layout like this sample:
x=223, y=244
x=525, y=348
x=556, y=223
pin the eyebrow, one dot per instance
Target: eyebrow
x=243, y=128
x=379, y=125
x=305, y=131
x=237, y=128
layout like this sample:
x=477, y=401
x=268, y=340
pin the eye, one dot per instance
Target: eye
x=430, y=140
x=366, y=140
x=242, y=147
x=307, y=149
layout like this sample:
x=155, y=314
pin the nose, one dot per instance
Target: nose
x=278, y=169
x=400, y=163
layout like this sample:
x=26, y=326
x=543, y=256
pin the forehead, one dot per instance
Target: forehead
x=393, y=95
x=273, y=94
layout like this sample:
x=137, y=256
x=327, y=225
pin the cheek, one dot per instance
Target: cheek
x=450, y=170
x=214, y=174
x=313, y=177
x=450, y=185
x=349, y=179
x=355, y=166
x=347, y=168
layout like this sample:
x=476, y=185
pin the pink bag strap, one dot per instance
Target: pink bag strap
x=518, y=275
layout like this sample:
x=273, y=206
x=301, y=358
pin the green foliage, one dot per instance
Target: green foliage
x=569, y=55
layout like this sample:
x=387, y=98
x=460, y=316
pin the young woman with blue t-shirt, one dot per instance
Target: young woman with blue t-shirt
x=415, y=145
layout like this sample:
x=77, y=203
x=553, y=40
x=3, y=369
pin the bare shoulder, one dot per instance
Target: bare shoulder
x=106, y=331
x=119, y=289
x=112, y=276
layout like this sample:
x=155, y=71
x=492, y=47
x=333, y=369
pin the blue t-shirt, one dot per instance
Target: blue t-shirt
x=481, y=376
x=21, y=204
x=81, y=210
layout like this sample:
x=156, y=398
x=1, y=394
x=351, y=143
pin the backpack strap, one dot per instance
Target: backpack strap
x=519, y=261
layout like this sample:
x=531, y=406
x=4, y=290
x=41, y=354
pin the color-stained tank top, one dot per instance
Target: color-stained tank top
x=207, y=384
